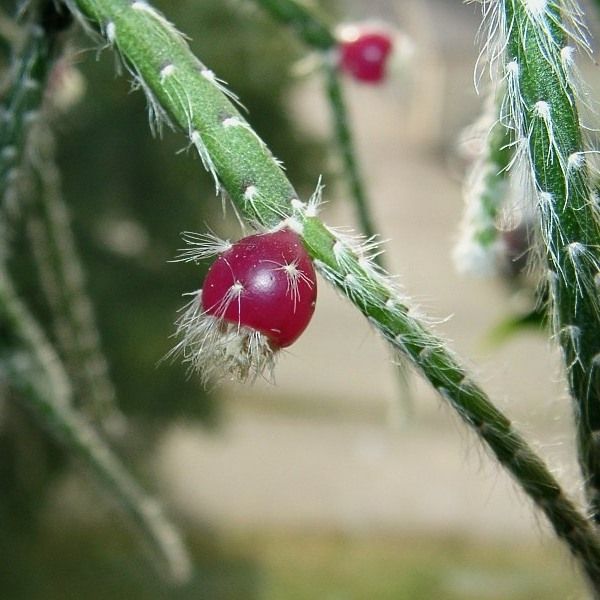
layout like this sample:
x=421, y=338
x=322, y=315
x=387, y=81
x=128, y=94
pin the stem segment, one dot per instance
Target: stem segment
x=485, y=191
x=542, y=107
x=307, y=23
x=343, y=136
x=315, y=32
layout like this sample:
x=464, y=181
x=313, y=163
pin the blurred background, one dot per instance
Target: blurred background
x=334, y=482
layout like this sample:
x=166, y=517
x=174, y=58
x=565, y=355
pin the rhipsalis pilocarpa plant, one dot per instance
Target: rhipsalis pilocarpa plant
x=186, y=93
x=532, y=46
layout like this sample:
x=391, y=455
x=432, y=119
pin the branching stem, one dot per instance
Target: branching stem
x=189, y=93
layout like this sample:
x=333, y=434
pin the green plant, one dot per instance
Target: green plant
x=533, y=95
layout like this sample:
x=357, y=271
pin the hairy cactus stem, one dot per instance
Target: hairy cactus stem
x=485, y=192
x=159, y=59
x=541, y=104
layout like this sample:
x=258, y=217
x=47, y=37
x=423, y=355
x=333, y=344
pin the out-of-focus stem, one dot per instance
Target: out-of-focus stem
x=29, y=365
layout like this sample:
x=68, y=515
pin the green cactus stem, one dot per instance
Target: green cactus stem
x=344, y=137
x=541, y=105
x=186, y=92
x=317, y=34
x=304, y=20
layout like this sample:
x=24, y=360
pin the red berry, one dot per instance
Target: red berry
x=259, y=295
x=364, y=53
x=265, y=282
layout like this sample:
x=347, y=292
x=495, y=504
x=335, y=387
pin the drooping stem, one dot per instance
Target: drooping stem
x=541, y=103
x=345, y=142
x=29, y=365
x=193, y=98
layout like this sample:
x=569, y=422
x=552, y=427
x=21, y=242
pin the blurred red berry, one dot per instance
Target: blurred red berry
x=363, y=54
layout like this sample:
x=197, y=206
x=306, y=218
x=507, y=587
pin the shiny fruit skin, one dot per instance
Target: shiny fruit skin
x=265, y=282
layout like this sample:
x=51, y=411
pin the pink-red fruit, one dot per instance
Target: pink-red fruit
x=363, y=54
x=265, y=282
